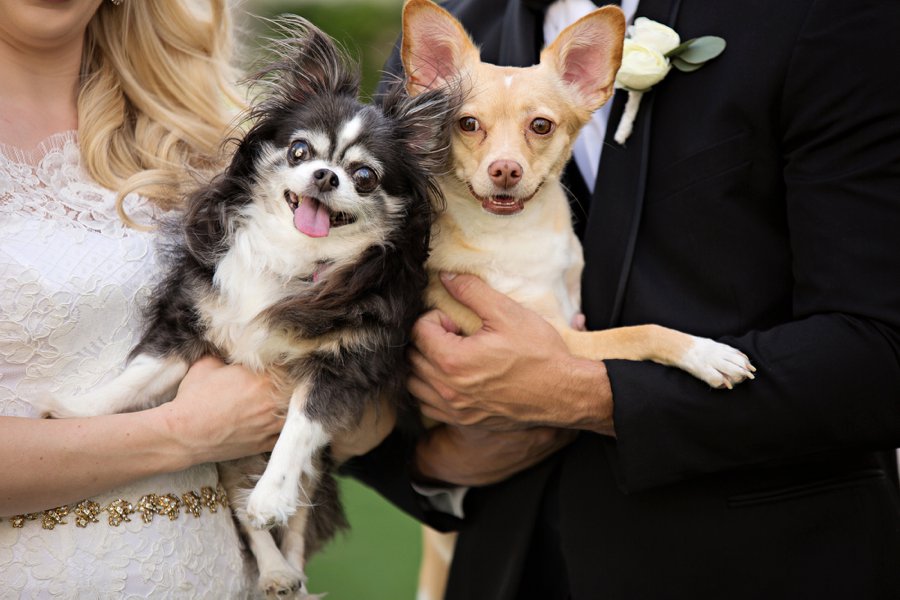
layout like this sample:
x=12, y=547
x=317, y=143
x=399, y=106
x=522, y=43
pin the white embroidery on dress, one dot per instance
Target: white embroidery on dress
x=73, y=279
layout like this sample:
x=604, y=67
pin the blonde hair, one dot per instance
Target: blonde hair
x=157, y=95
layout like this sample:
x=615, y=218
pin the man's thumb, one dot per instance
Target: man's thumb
x=474, y=293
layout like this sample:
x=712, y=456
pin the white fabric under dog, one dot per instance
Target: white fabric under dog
x=72, y=281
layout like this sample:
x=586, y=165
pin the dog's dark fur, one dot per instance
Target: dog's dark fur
x=361, y=307
x=380, y=293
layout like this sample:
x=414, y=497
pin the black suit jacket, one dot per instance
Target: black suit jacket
x=757, y=202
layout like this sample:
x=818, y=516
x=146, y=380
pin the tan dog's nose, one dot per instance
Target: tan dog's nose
x=505, y=173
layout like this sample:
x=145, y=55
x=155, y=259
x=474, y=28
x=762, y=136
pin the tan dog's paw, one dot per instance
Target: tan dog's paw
x=719, y=365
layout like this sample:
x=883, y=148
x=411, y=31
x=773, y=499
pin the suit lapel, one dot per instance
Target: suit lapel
x=615, y=209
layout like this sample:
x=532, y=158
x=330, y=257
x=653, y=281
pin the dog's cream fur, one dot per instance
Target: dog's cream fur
x=530, y=253
x=533, y=255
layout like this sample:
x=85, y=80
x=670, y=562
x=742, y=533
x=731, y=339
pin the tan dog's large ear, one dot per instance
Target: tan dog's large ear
x=587, y=54
x=435, y=49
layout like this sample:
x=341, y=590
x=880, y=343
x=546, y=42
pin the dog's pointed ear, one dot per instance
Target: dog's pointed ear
x=307, y=63
x=205, y=225
x=587, y=54
x=436, y=50
x=424, y=121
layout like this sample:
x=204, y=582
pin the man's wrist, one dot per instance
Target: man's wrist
x=591, y=394
x=420, y=473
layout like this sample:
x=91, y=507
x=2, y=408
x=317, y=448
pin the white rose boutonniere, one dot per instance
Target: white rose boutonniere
x=642, y=67
x=649, y=53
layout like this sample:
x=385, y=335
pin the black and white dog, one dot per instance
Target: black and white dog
x=304, y=259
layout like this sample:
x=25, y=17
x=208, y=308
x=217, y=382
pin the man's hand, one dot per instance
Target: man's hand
x=375, y=425
x=474, y=457
x=514, y=373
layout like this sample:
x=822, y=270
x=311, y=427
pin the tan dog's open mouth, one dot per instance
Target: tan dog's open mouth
x=503, y=204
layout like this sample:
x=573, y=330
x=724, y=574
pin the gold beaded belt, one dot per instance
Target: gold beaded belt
x=120, y=510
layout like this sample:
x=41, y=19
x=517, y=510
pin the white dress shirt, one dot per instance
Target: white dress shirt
x=589, y=144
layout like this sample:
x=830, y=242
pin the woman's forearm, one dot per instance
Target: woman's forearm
x=221, y=412
x=47, y=462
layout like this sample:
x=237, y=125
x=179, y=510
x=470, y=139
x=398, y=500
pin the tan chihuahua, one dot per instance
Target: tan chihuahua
x=507, y=218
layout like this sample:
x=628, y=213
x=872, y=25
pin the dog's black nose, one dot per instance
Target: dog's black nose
x=326, y=180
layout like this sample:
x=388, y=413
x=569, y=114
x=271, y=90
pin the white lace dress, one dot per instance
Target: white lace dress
x=72, y=281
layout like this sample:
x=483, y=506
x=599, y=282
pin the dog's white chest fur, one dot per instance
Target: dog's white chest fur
x=265, y=264
x=231, y=315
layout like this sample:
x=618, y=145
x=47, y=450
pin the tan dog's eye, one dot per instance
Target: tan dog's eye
x=469, y=124
x=541, y=126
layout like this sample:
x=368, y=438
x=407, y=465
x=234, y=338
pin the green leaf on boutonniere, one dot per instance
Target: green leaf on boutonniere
x=700, y=50
x=683, y=66
x=680, y=48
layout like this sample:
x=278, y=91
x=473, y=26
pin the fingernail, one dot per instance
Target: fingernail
x=448, y=276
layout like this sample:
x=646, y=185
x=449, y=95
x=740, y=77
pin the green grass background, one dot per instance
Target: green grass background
x=378, y=559
x=367, y=30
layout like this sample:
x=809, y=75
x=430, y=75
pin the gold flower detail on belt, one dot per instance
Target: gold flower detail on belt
x=148, y=506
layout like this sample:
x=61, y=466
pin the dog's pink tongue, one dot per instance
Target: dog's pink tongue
x=312, y=217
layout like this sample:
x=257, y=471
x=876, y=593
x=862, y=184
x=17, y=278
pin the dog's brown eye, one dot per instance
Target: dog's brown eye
x=541, y=126
x=298, y=152
x=469, y=124
x=365, y=179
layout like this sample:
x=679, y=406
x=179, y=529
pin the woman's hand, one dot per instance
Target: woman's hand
x=475, y=457
x=222, y=412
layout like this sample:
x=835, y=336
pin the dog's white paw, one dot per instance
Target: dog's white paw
x=91, y=404
x=269, y=506
x=45, y=407
x=52, y=407
x=719, y=365
x=284, y=584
